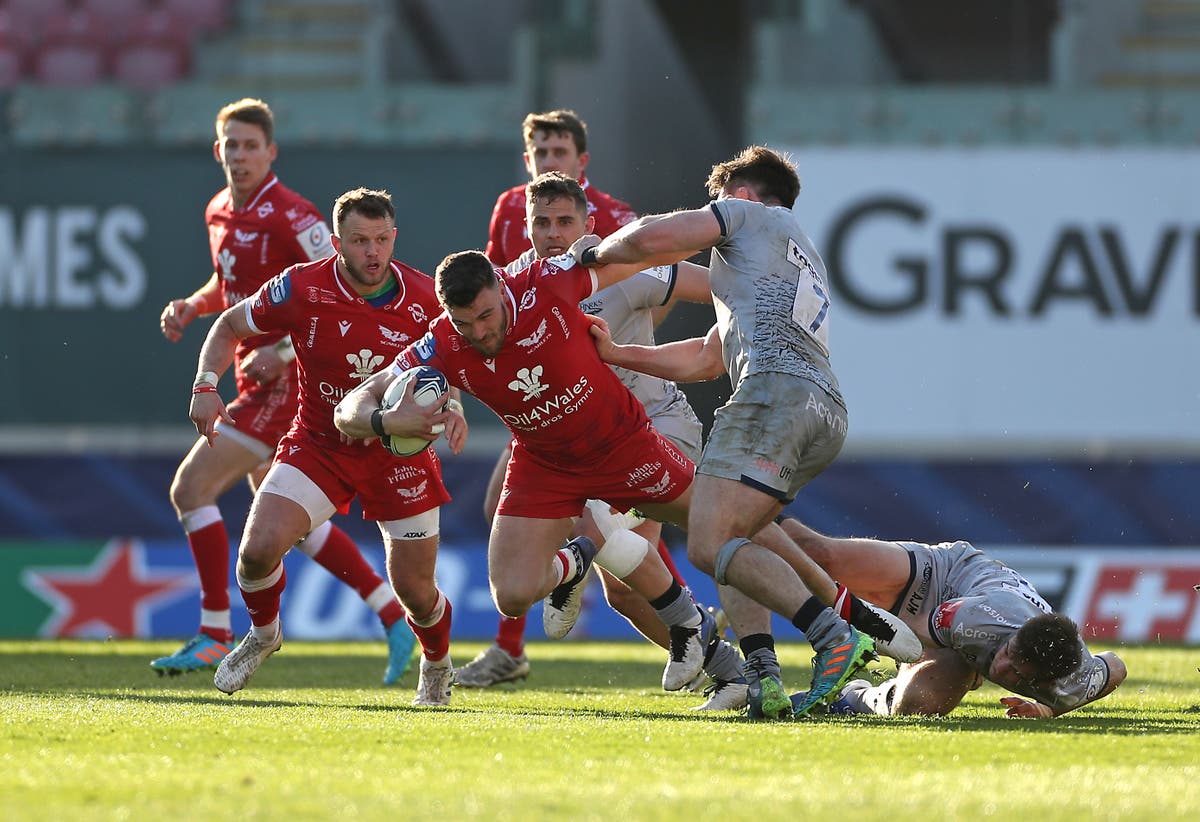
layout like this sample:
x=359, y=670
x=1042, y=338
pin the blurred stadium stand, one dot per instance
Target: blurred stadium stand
x=836, y=72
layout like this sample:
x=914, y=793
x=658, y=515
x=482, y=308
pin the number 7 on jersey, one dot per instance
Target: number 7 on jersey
x=811, y=307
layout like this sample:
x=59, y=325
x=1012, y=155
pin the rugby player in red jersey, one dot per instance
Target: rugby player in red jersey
x=347, y=315
x=554, y=141
x=256, y=228
x=557, y=214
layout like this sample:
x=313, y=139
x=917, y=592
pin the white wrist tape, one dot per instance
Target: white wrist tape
x=206, y=378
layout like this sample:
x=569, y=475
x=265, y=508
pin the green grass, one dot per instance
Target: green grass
x=89, y=732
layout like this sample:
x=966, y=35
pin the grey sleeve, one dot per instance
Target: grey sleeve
x=1074, y=689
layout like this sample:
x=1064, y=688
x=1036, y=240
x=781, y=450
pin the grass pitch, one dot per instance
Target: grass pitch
x=89, y=732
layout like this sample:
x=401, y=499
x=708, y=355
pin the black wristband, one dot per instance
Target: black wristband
x=588, y=257
x=377, y=422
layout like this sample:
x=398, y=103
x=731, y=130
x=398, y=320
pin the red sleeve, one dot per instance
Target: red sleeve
x=614, y=215
x=271, y=305
x=493, y=244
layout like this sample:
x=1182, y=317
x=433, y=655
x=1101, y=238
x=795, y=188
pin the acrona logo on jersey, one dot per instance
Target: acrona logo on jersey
x=71, y=257
x=266, y=210
x=534, y=341
x=529, y=380
x=365, y=363
x=418, y=314
x=529, y=299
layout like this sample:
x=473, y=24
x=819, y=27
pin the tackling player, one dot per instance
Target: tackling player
x=256, y=228
x=786, y=420
x=347, y=315
x=977, y=619
x=554, y=141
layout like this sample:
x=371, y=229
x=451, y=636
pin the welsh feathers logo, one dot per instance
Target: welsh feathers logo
x=529, y=380
x=365, y=363
x=534, y=338
x=226, y=259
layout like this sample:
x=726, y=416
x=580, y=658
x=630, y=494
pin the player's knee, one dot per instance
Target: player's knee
x=717, y=563
x=513, y=599
x=257, y=558
x=622, y=553
x=184, y=495
x=416, y=599
x=703, y=556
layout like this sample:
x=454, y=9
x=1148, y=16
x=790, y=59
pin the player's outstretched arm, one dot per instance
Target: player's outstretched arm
x=1027, y=709
x=693, y=360
x=661, y=238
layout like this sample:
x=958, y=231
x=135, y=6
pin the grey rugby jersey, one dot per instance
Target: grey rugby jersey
x=978, y=626
x=770, y=295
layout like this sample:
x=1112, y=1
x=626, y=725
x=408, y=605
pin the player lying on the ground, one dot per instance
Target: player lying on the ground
x=977, y=618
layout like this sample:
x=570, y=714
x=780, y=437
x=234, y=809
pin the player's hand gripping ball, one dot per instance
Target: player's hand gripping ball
x=429, y=388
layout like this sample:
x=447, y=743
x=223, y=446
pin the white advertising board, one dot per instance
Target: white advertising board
x=1024, y=299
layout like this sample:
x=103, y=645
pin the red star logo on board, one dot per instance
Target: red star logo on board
x=112, y=597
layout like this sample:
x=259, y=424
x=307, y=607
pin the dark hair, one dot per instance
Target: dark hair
x=248, y=110
x=769, y=173
x=1049, y=643
x=554, y=185
x=559, y=121
x=461, y=276
x=364, y=201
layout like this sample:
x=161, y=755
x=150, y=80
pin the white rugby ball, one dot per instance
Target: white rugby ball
x=430, y=388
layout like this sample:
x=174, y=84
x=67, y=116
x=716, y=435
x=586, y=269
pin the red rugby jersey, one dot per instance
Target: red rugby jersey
x=340, y=338
x=548, y=385
x=508, y=236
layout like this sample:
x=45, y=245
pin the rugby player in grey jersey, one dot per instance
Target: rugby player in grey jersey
x=977, y=618
x=557, y=215
x=784, y=423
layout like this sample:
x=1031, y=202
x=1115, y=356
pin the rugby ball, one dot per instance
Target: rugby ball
x=430, y=388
